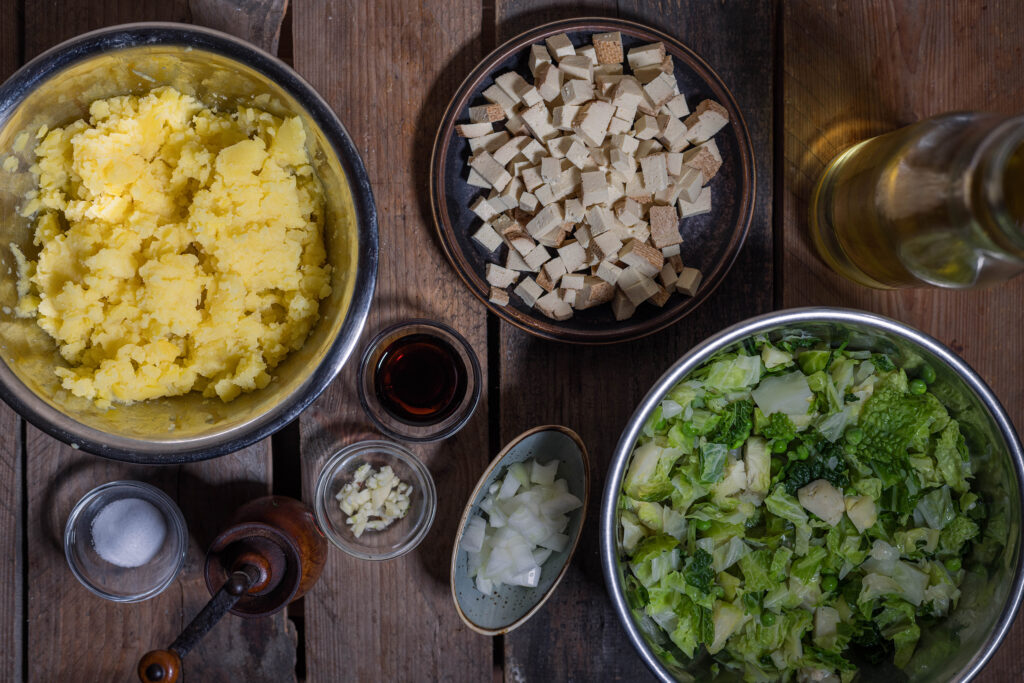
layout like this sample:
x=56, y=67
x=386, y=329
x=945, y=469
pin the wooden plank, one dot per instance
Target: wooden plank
x=11, y=447
x=856, y=69
x=594, y=390
x=72, y=634
x=388, y=70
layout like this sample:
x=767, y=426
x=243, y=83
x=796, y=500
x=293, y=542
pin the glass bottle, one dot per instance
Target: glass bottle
x=939, y=202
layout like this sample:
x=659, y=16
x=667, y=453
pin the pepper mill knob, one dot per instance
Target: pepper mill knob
x=159, y=666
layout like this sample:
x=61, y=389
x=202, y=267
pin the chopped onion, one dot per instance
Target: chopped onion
x=526, y=517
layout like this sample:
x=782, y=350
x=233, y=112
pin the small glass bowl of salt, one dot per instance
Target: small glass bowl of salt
x=125, y=541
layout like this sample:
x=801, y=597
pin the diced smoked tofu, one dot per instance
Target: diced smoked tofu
x=591, y=123
x=668, y=276
x=559, y=146
x=563, y=116
x=482, y=208
x=532, y=152
x=546, y=220
x=645, y=258
x=493, y=172
x=474, y=130
x=648, y=147
x=531, y=178
x=636, y=286
x=705, y=157
x=599, y=219
x=529, y=291
x=674, y=163
x=690, y=183
x=689, y=281
x=553, y=307
x=495, y=95
x=487, y=238
x=646, y=127
x=554, y=269
x=676, y=261
x=512, y=84
x=582, y=235
x=486, y=113
x=567, y=295
x=517, y=238
x=660, y=296
x=701, y=206
x=628, y=94
x=604, y=84
x=646, y=74
x=560, y=46
x=660, y=90
x=579, y=156
x=608, y=47
x=573, y=210
x=709, y=118
x=595, y=188
x=609, y=272
x=510, y=150
x=538, y=257
x=607, y=245
x=549, y=81
x=477, y=180
x=538, y=121
x=556, y=237
x=622, y=307
x=664, y=226
x=550, y=169
x=538, y=55
x=545, y=282
x=545, y=195
x=608, y=69
x=646, y=55
x=515, y=125
x=618, y=125
x=595, y=292
x=626, y=143
x=573, y=256
x=577, y=66
x=589, y=52
x=576, y=91
x=499, y=296
x=514, y=261
x=672, y=132
x=677, y=106
x=497, y=276
x=528, y=202
x=641, y=232
x=671, y=250
x=572, y=281
x=624, y=163
x=654, y=172
x=488, y=143
x=629, y=212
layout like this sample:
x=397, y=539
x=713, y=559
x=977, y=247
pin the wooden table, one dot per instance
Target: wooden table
x=811, y=76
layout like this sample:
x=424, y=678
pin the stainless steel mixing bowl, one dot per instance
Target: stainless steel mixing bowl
x=988, y=603
x=57, y=88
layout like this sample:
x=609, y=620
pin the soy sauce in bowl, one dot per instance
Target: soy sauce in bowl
x=420, y=379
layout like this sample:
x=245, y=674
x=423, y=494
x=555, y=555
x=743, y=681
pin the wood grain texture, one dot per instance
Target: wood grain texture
x=11, y=447
x=71, y=633
x=388, y=69
x=595, y=390
x=857, y=69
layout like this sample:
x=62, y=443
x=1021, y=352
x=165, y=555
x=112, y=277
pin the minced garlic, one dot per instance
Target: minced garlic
x=373, y=499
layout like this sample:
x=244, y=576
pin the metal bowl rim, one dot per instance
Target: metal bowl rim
x=125, y=36
x=795, y=316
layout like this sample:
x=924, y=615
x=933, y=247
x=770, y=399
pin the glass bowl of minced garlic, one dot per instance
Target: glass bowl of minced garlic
x=375, y=500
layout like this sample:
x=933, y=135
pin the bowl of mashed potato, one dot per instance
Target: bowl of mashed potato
x=188, y=243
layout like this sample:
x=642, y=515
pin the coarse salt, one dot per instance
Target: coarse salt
x=128, y=532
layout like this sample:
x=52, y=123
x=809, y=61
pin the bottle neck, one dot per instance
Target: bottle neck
x=996, y=187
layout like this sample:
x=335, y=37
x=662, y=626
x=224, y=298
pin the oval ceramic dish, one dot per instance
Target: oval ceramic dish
x=510, y=606
x=712, y=241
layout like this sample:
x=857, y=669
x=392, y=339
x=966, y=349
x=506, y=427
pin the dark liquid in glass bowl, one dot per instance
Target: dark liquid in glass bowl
x=420, y=379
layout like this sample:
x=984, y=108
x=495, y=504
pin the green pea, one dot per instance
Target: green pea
x=953, y=564
x=855, y=435
x=802, y=452
x=767, y=618
x=829, y=583
x=779, y=446
x=928, y=374
x=703, y=524
x=918, y=386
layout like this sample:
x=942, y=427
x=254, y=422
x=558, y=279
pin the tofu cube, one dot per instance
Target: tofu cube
x=705, y=157
x=660, y=296
x=617, y=125
x=660, y=90
x=576, y=91
x=592, y=121
x=517, y=238
x=607, y=245
x=531, y=178
x=563, y=116
x=477, y=180
x=474, y=130
x=513, y=85
x=487, y=237
x=668, y=276
x=672, y=250
x=654, y=172
x=568, y=295
x=664, y=226
x=573, y=210
x=554, y=307
x=495, y=95
x=483, y=208
x=646, y=55
x=497, y=276
x=538, y=55
x=674, y=163
x=486, y=113
x=577, y=66
x=538, y=121
x=643, y=257
x=677, y=106
x=532, y=152
x=550, y=170
x=560, y=46
x=595, y=292
x=608, y=47
x=510, y=150
x=646, y=128
x=529, y=291
x=498, y=296
x=595, y=188
x=493, y=172
x=546, y=220
x=637, y=287
x=549, y=81
x=625, y=143
x=589, y=52
x=528, y=202
x=579, y=156
x=672, y=132
x=609, y=272
x=538, y=257
x=514, y=261
x=701, y=206
x=690, y=184
x=624, y=163
x=622, y=307
x=604, y=84
x=709, y=118
x=689, y=281
x=572, y=281
x=629, y=212
x=573, y=256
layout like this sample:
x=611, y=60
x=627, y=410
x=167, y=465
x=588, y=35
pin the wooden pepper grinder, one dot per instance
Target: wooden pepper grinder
x=271, y=554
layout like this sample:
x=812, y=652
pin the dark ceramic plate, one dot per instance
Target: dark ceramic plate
x=711, y=241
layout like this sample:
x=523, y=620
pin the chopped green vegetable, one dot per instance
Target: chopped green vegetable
x=725, y=559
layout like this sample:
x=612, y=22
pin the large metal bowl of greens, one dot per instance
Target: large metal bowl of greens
x=816, y=494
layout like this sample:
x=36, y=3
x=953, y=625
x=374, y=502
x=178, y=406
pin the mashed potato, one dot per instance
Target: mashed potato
x=180, y=248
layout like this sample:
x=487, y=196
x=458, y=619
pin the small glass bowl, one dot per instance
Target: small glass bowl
x=107, y=580
x=403, y=534
x=392, y=425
